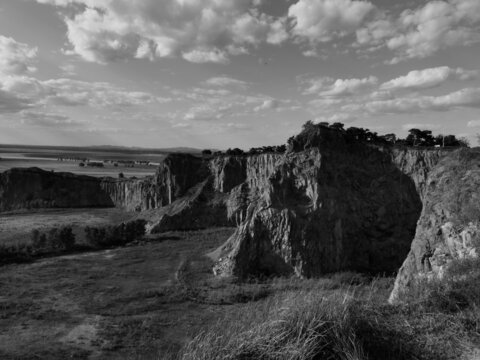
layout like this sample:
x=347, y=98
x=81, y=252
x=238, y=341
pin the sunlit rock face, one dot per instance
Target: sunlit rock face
x=176, y=174
x=448, y=227
x=31, y=188
x=336, y=205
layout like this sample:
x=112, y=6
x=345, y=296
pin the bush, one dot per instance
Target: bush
x=297, y=325
x=116, y=235
x=57, y=239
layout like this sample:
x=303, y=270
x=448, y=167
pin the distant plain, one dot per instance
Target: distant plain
x=69, y=159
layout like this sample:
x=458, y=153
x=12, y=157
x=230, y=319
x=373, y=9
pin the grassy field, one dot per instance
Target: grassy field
x=159, y=300
x=117, y=304
x=16, y=227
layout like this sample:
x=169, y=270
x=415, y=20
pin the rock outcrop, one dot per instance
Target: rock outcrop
x=328, y=204
x=448, y=227
x=36, y=188
x=338, y=205
x=176, y=174
x=201, y=207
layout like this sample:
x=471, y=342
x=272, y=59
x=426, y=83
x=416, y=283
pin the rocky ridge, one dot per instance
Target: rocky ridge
x=337, y=205
x=332, y=204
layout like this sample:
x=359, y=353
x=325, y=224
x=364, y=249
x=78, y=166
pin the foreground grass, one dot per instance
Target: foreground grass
x=160, y=300
x=346, y=317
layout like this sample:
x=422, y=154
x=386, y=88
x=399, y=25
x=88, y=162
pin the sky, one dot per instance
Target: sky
x=234, y=73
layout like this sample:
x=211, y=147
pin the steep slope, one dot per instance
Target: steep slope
x=176, y=174
x=337, y=205
x=201, y=207
x=448, y=227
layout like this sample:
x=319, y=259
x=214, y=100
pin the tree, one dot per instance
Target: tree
x=413, y=137
x=121, y=175
x=358, y=134
x=391, y=138
x=450, y=140
x=308, y=125
x=337, y=126
x=463, y=142
x=207, y=152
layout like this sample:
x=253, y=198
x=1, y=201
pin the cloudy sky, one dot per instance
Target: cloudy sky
x=234, y=73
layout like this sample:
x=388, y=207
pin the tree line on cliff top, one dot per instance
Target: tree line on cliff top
x=310, y=130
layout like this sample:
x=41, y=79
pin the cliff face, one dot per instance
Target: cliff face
x=133, y=195
x=175, y=176
x=335, y=206
x=417, y=164
x=36, y=188
x=448, y=227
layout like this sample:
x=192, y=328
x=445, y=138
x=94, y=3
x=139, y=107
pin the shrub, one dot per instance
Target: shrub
x=57, y=239
x=116, y=235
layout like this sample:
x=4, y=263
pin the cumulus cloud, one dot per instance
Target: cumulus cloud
x=16, y=57
x=223, y=81
x=269, y=104
x=329, y=87
x=473, y=123
x=198, y=30
x=421, y=32
x=322, y=20
x=428, y=78
x=468, y=97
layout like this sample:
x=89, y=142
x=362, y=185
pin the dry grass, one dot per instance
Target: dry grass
x=346, y=317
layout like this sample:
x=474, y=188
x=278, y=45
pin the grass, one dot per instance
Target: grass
x=17, y=227
x=338, y=318
x=159, y=300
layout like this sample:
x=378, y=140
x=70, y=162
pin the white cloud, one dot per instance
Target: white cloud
x=269, y=104
x=222, y=81
x=322, y=20
x=328, y=87
x=198, y=30
x=16, y=57
x=473, y=123
x=428, y=78
x=468, y=97
x=423, y=31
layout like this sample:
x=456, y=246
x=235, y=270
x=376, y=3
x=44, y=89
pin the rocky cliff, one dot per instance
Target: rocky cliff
x=332, y=204
x=37, y=188
x=336, y=205
x=176, y=174
x=447, y=230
